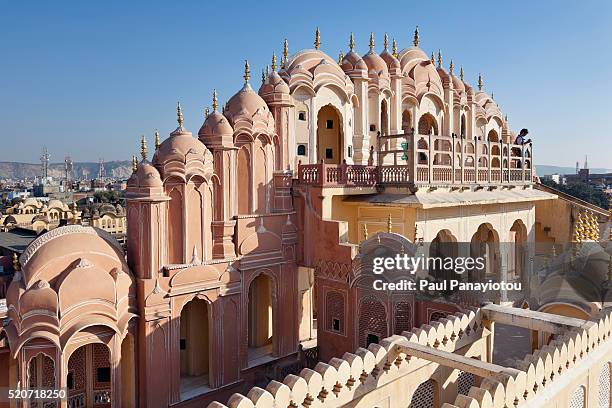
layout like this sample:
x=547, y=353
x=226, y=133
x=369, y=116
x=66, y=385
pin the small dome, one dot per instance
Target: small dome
x=353, y=62
x=145, y=176
x=274, y=84
x=376, y=63
x=392, y=62
x=458, y=84
x=178, y=146
x=245, y=103
x=216, y=131
x=408, y=57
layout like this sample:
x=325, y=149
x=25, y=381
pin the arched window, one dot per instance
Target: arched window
x=244, y=180
x=406, y=121
x=428, y=124
x=194, y=346
x=260, y=317
x=372, y=321
x=493, y=136
x=334, y=307
x=301, y=150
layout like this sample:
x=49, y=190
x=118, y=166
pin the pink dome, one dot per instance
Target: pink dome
x=353, y=62
x=376, y=63
x=408, y=57
x=310, y=59
x=458, y=84
x=145, y=176
x=216, y=131
x=246, y=103
x=178, y=146
x=392, y=62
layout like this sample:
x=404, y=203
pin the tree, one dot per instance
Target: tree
x=582, y=191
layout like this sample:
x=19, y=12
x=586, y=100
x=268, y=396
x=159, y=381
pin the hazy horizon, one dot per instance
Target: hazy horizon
x=87, y=79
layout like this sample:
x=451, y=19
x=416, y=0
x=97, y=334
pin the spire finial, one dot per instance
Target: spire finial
x=273, y=61
x=371, y=41
x=389, y=224
x=285, y=51
x=451, y=67
x=157, y=143
x=134, y=164
x=480, y=82
x=317, y=42
x=143, y=148
x=74, y=213
x=415, y=40
x=340, y=57
x=215, y=103
x=267, y=71
x=247, y=72
x=179, y=114
x=461, y=72
x=351, y=42
x=433, y=58
x=386, y=42
x=206, y=112
x=365, y=231
x=439, y=59
x=263, y=75
x=394, y=49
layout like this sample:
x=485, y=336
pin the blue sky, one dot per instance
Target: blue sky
x=88, y=78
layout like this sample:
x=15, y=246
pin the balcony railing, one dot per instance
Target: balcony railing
x=429, y=160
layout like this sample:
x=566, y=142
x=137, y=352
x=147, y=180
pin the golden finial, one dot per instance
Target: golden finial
x=134, y=164
x=389, y=223
x=351, y=42
x=386, y=41
x=340, y=57
x=263, y=75
x=247, y=72
x=371, y=41
x=157, y=142
x=206, y=112
x=461, y=73
x=394, y=49
x=143, y=148
x=415, y=40
x=480, y=82
x=215, y=103
x=317, y=42
x=273, y=62
x=179, y=114
x=285, y=50
x=16, y=265
x=365, y=231
x=451, y=67
x=433, y=58
x=439, y=59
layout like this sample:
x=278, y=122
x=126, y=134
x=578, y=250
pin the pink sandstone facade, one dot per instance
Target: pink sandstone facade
x=244, y=245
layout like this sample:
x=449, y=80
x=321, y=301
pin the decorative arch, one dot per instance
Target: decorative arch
x=175, y=227
x=330, y=135
x=243, y=175
x=428, y=124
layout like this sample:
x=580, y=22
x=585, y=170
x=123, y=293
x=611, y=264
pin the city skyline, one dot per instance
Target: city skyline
x=93, y=78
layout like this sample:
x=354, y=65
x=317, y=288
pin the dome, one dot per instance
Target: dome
x=274, y=90
x=353, y=62
x=310, y=59
x=49, y=255
x=146, y=176
x=458, y=84
x=246, y=103
x=180, y=144
x=216, y=131
x=376, y=63
x=408, y=57
x=392, y=62
x=56, y=204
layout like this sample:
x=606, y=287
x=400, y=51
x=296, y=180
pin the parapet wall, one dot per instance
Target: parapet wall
x=384, y=370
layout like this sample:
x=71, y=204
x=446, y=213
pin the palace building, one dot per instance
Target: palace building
x=245, y=280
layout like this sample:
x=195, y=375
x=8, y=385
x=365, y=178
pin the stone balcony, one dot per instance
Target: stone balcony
x=429, y=160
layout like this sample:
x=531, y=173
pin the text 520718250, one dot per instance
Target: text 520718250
x=32, y=394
